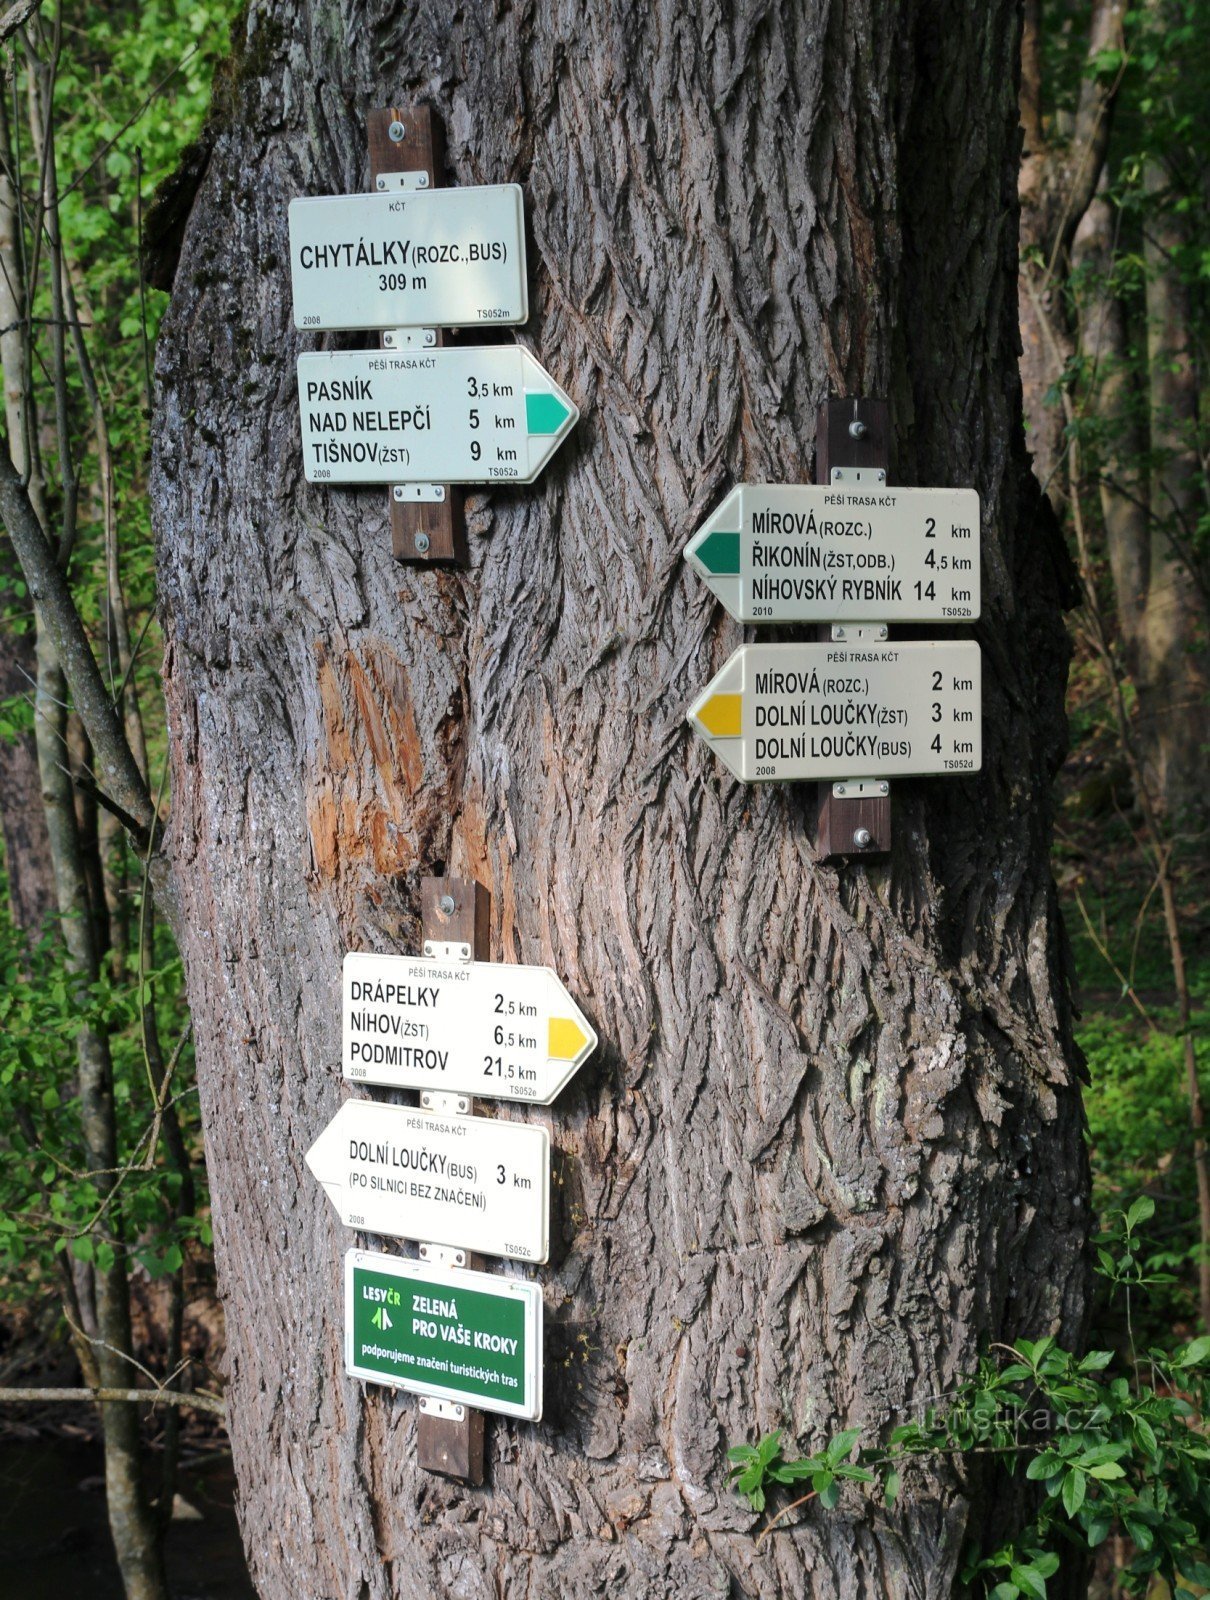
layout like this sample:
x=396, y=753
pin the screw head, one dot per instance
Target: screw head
x=838, y=633
x=884, y=788
x=839, y=475
x=840, y=789
x=422, y=180
x=422, y=544
x=382, y=183
x=447, y=900
x=441, y=491
x=857, y=429
x=862, y=838
x=396, y=132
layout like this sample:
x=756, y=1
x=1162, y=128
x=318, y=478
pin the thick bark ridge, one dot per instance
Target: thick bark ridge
x=832, y=1140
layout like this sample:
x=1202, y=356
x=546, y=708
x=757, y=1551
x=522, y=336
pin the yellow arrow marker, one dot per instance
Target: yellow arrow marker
x=723, y=716
x=567, y=1039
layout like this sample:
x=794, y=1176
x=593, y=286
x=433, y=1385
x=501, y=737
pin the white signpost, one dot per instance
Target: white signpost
x=845, y=711
x=432, y=258
x=468, y=1182
x=490, y=414
x=802, y=553
x=484, y=1028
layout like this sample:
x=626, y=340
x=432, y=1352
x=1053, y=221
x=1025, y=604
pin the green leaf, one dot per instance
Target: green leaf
x=1107, y=1471
x=1030, y=1581
x=1097, y=1531
x=1142, y=1210
x=891, y=1488
x=1096, y=1360
x=1004, y=1591
x=828, y=1490
x=1144, y=1435
x=1044, y=1466
x=840, y=1446
x=1075, y=1486
x=1195, y=1353
x=1139, y=1532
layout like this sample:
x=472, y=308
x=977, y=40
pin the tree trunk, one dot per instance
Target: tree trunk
x=832, y=1140
x=1123, y=443
x=1058, y=178
x=1175, y=680
x=26, y=848
x=31, y=888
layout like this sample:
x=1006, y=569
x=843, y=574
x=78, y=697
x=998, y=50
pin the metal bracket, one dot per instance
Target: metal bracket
x=441, y=1255
x=861, y=789
x=429, y=493
x=450, y=1105
x=447, y=1410
x=440, y=950
x=388, y=182
x=859, y=477
x=858, y=633
x=409, y=338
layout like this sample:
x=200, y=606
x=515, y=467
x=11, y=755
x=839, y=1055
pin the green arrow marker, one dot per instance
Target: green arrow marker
x=544, y=413
x=380, y=1318
x=719, y=553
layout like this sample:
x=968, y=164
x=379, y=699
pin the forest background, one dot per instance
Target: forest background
x=105, y=1272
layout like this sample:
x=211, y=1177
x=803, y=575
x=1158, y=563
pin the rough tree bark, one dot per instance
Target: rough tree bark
x=31, y=888
x=832, y=1140
x=1060, y=172
x=1173, y=642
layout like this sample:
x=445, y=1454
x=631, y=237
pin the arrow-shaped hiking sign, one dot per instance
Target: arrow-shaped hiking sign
x=835, y=553
x=484, y=415
x=472, y=1182
x=485, y=1028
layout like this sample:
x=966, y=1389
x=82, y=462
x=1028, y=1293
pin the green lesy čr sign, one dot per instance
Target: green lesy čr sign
x=457, y=1335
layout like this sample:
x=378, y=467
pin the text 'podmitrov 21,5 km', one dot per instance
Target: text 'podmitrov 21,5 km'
x=408, y=261
x=850, y=555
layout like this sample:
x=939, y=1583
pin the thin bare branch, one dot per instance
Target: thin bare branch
x=144, y=1397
